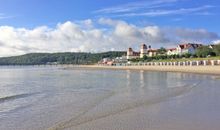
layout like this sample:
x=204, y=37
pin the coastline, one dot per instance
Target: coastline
x=213, y=70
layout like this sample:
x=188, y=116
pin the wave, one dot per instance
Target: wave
x=14, y=97
x=119, y=103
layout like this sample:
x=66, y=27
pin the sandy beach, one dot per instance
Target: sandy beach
x=106, y=98
x=186, y=69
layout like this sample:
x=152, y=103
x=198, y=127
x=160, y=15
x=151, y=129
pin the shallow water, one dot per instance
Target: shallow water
x=33, y=98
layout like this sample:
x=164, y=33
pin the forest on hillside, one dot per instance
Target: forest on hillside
x=59, y=58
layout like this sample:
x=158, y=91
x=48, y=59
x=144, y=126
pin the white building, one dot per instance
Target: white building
x=152, y=52
x=211, y=46
x=122, y=59
x=143, y=51
x=132, y=54
x=105, y=60
x=172, y=51
x=183, y=49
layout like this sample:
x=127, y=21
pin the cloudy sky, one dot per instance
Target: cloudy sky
x=28, y=26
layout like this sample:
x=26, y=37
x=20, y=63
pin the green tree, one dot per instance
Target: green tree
x=203, y=51
x=161, y=51
x=62, y=58
x=216, y=49
x=145, y=57
x=187, y=55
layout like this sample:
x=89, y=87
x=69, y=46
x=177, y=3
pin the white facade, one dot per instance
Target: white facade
x=121, y=59
x=183, y=49
x=179, y=50
x=131, y=54
x=152, y=53
x=143, y=51
x=187, y=49
x=172, y=52
x=106, y=60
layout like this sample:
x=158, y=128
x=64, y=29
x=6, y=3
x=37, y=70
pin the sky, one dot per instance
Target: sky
x=28, y=26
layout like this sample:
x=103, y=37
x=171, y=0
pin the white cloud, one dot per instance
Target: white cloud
x=3, y=16
x=93, y=36
x=216, y=42
x=186, y=34
x=181, y=11
x=155, y=8
x=134, y=6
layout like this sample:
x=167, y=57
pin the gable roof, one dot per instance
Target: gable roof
x=171, y=49
x=188, y=45
x=152, y=50
x=136, y=53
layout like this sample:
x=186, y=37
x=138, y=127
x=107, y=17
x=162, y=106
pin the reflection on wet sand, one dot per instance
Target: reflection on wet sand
x=122, y=102
x=85, y=99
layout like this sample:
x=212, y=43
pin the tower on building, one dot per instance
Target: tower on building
x=143, y=51
x=129, y=53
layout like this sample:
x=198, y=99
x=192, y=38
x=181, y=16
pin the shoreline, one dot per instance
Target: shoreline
x=210, y=70
x=213, y=70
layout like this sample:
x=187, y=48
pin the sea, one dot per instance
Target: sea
x=73, y=98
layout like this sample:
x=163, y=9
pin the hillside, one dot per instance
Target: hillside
x=60, y=58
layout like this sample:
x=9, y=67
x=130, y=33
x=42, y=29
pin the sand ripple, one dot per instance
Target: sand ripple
x=116, y=103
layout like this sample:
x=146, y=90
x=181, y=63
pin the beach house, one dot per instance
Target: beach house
x=149, y=52
x=187, y=48
x=132, y=54
x=144, y=51
x=152, y=52
x=211, y=46
x=172, y=51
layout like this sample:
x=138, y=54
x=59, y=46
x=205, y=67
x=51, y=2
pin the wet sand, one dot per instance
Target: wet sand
x=187, y=107
x=107, y=99
x=186, y=69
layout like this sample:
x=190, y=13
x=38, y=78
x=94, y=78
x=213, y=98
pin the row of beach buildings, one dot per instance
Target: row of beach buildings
x=148, y=51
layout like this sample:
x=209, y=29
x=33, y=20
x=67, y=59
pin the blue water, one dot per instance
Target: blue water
x=57, y=98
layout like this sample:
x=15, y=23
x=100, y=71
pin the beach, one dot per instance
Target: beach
x=105, y=98
x=185, y=69
x=109, y=65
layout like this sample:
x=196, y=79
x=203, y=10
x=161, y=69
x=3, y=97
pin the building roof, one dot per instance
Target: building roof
x=130, y=49
x=143, y=46
x=188, y=45
x=171, y=49
x=136, y=53
x=212, y=45
x=152, y=50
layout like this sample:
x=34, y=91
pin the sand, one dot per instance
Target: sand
x=94, y=98
x=176, y=107
x=186, y=69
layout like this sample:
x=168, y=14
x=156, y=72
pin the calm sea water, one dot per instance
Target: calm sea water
x=55, y=98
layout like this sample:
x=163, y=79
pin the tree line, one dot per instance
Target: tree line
x=59, y=58
x=205, y=51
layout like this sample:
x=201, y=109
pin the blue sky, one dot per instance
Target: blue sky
x=198, y=18
x=31, y=13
